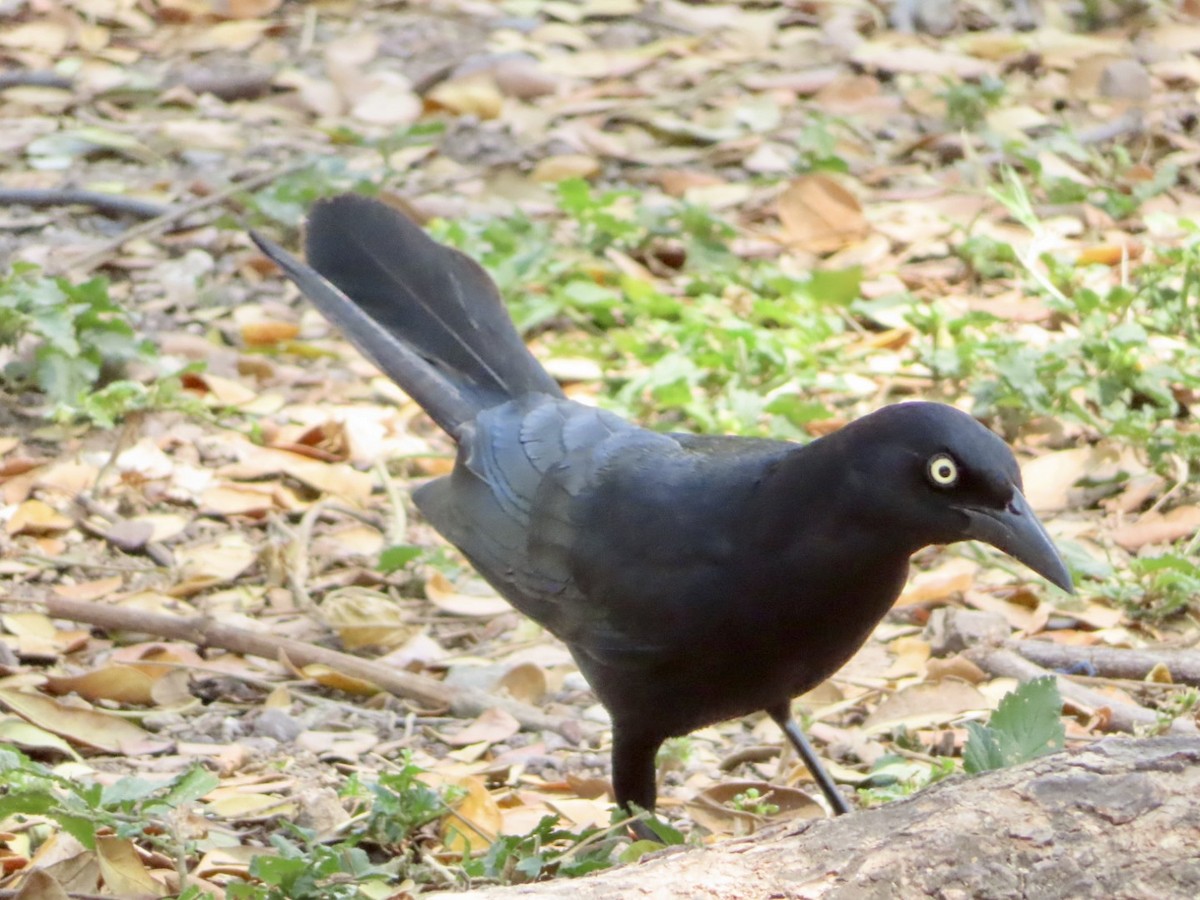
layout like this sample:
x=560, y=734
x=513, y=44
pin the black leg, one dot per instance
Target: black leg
x=783, y=717
x=633, y=775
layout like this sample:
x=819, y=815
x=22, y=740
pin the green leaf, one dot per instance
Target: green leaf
x=1026, y=725
x=982, y=752
x=191, y=786
x=393, y=559
x=837, y=287
x=128, y=790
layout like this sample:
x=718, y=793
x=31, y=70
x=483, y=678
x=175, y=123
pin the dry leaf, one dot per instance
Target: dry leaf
x=249, y=806
x=83, y=727
x=442, y=594
x=819, y=215
x=125, y=875
x=1159, y=528
x=220, y=561
x=389, y=101
x=267, y=334
x=365, y=618
x=228, y=499
x=120, y=684
x=40, y=885
x=29, y=737
x=476, y=95
x=348, y=745
x=339, y=681
x=525, y=682
x=955, y=667
x=475, y=822
x=1110, y=254
x=246, y=9
x=491, y=727
x=910, y=656
x=218, y=391
x=1049, y=479
x=926, y=705
x=36, y=517
x=559, y=168
x=713, y=808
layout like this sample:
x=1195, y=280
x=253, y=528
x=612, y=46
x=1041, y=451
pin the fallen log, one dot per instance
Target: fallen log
x=1118, y=819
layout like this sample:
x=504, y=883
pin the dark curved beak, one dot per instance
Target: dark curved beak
x=1017, y=531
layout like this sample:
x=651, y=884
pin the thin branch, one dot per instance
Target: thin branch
x=1114, y=662
x=108, y=204
x=35, y=78
x=170, y=217
x=204, y=632
x=1122, y=716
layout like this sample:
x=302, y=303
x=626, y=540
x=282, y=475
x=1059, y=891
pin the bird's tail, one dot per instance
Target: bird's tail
x=426, y=314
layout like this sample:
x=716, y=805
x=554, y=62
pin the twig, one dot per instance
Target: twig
x=1114, y=662
x=168, y=218
x=109, y=204
x=398, y=525
x=155, y=550
x=39, y=78
x=1123, y=716
x=295, y=555
x=204, y=632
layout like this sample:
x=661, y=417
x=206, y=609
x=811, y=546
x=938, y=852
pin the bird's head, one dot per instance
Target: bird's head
x=939, y=476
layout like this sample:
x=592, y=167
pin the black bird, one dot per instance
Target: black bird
x=694, y=579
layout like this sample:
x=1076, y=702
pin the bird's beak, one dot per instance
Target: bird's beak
x=1017, y=531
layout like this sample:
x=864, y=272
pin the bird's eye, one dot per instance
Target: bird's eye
x=943, y=470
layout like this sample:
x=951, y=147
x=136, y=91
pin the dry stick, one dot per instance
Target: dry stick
x=173, y=215
x=34, y=78
x=1123, y=716
x=155, y=550
x=204, y=632
x=1114, y=662
x=109, y=204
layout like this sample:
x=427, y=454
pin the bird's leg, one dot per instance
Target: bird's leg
x=633, y=775
x=783, y=717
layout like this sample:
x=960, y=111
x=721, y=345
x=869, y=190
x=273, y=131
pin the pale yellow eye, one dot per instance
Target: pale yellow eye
x=943, y=470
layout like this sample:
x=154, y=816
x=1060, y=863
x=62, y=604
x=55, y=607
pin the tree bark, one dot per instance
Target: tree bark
x=1119, y=819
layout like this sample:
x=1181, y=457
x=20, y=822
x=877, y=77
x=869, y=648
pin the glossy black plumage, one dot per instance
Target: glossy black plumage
x=693, y=578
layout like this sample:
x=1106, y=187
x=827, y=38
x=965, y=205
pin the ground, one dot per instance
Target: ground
x=766, y=218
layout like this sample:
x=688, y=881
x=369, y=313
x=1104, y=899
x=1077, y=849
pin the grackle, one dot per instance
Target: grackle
x=694, y=578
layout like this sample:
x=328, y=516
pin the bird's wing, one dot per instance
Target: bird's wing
x=510, y=504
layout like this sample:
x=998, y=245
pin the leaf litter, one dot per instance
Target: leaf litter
x=828, y=140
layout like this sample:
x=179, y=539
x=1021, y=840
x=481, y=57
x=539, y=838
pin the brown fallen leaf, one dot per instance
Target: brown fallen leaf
x=474, y=823
x=820, y=215
x=715, y=809
x=245, y=9
x=26, y=736
x=1109, y=254
x=559, y=168
x=125, y=875
x=84, y=727
x=37, y=517
x=442, y=594
x=332, y=678
x=525, y=682
x=40, y=885
x=1159, y=528
x=957, y=666
x=925, y=705
x=365, y=618
x=492, y=726
x=120, y=684
x=476, y=94
x=268, y=334
x=217, y=561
